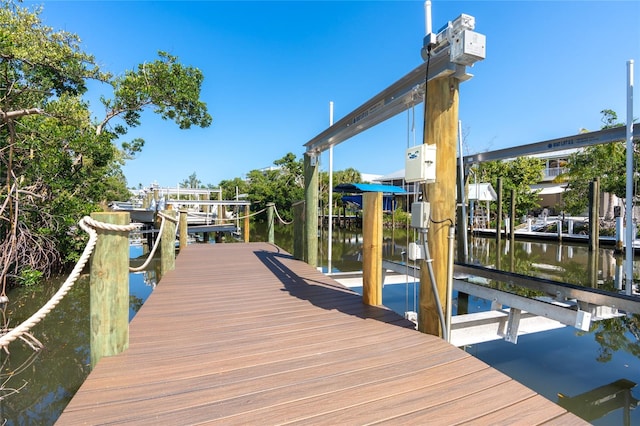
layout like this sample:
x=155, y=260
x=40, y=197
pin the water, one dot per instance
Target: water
x=600, y=368
x=562, y=361
x=36, y=386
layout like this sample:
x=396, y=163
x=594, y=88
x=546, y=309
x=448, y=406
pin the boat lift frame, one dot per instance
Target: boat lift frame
x=559, y=306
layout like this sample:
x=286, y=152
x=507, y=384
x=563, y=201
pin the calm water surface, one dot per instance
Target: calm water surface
x=600, y=367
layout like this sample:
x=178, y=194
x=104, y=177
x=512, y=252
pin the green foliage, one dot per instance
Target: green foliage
x=29, y=277
x=609, y=119
x=38, y=61
x=517, y=174
x=232, y=187
x=57, y=164
x=607, y=162
x=348, y=175
x=191, y=182
x=399, y=218
x=172, y=88
x=282, y=185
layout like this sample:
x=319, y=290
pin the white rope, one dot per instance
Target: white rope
x=252, y=214
x=28, y=324
x=284, y=222
x=155, y=244
x=165, y=216
x=89, y=225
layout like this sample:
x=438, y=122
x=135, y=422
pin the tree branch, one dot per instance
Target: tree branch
x=6, y=116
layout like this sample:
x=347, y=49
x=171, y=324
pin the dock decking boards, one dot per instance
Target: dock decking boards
x=244, y=334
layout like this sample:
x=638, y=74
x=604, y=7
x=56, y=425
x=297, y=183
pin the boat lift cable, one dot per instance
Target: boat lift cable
x=406, y=287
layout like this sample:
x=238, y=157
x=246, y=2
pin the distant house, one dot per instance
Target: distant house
x=550, y=192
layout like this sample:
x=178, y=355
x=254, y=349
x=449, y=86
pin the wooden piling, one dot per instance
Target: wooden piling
x=372, y=249
x=245, y=229
x=594, y=214
x=220, y=212
x=311, y=208
x=512, y=218
x=441, y=128
x=168, y=244
x=298, y=230
x=183, y=229
x=109, y=289
x=499, y=213
x=270, y=224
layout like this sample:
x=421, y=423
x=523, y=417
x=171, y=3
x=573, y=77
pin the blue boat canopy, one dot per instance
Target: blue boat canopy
x=357, y=188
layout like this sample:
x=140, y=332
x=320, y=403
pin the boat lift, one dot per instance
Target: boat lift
x=409, y=91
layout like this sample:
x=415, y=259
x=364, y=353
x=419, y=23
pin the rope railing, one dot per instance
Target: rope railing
x=164, y=218
x=282, y=221
x=251, y=214
x=89, y=226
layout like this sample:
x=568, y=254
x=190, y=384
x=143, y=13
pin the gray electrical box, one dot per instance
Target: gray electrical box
x=468, y=47
x=420, y=212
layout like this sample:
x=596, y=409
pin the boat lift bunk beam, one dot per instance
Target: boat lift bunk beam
x=509, y=321
x=581, y=140
x=558, y=313
x=400, y=96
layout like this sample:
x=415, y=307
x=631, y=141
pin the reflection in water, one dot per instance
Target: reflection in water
x=59, y=369
x=559, y=262
x=47, y=379
x=602, y=400
x=563, y=361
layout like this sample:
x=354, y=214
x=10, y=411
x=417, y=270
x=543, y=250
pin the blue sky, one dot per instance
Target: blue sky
x=271, y=69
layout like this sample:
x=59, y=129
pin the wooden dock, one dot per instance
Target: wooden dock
x=244, y=334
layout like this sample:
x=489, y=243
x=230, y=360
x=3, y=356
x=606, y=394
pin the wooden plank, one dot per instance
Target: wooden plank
x=331, y=403
x=534, y=410
x=267, y=339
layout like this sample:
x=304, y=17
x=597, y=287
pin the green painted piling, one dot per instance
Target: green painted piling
x=311, y=208
x=270, y=224
x=298, y=230
x=594, y=214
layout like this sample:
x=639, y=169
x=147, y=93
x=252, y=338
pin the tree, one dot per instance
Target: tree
x=233, y=187
x=518, y=174
x=282, y=185
x=171, y=88
x=57, y=164
x=191, y=182
x=607, y=162
x=349, y=175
